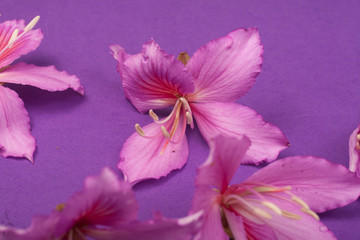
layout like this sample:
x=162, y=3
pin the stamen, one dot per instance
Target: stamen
x=311, y=213
x=189, y=119
x=262, y=213
x=358, y=137
x=300, y=201
x=153, y=115
x=13, y=37
x=271, y=189
x=272, y=206
x=139, y=130
x=183, y=57
x=31, y=24
x=60, y=207
x=165, y=132
x=290, y=215
x=357, y=146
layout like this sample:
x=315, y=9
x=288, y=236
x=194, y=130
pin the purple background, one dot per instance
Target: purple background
x=309, y=88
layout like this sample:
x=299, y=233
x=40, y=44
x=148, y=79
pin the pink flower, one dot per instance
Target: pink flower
x=204, y=87
x=277, y=202
x=354, y=151
x=105, y=209
x=16, y=39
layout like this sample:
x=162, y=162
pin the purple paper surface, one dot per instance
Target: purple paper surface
x=309, y=87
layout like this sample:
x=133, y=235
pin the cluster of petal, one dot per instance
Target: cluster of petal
x=105, y=209
x=16, y=39
x=203, y=87
x=279, y=201
x=354, y=151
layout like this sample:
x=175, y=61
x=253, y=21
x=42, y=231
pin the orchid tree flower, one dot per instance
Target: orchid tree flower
x=354, y=151
x=204, y=87
x=16, y=39
x=280, y=201
x=105, y=209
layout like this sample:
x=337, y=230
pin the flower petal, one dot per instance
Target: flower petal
x=15, y=138
x=226, y=68
x=142, y=158
x=320, y=183
x=47, y=78
x=158, y=229
x=226, y=154
x=354, y=152
x=105, y=201
x=236, y=225
x=233, y=120
x=152, y=79
x=24, y=44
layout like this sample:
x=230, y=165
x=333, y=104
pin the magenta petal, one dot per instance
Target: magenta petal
x=152, y=79
x=233, y=120
x=26, y=43
x=15, y=138
x=236, y=225
x=142, y=158
x=226, y=154
x=47, y=78
x=225, y=68
x=354, y=152
x=105, y=201
x=320, y=183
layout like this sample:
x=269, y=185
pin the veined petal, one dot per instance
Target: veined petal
x=158, y=229
x=225, y=68
x=47, y=78
x=226, y=154
x=143, y=158
x=354, y=152
x=105, y=201
x=25, y=44
x=152, y=79
x=233, y=119
x=15, y=137
x=320, y=183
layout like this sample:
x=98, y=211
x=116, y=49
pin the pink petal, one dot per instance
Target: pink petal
x=25, y=44
x=225, y=68
x=354, y=152
x=142, y=158
x=15, y=137
x=233, y=120
x=226, y=154
x=105, y=201
x=236, y=225
x=159, y=229
x=320, y=183
x=47, y=78
x=152, y=79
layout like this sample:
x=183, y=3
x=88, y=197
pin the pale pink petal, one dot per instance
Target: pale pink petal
x=354, y=152
x=226, y=154
x=24, y=44
x=47, y=78
x=15, y=137
x=105, y=201
x=236, y=225
x=152, y=79
x=143, y=158
x=320, y=183
x=233, y=119
x=158, y=229
x=225, y=68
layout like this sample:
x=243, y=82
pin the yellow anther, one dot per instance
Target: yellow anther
x=165, y=132
x=14, y=35
x=139, y=130
x=357, y=146
x=290, y=215
x=183, y=57
x=188, y=118
x=32, y=24
x=153, y=115
x=300, y=201
x=60, y=207
x=311, y=213
x=262, y=213
x=358, y=137
x=272, y=206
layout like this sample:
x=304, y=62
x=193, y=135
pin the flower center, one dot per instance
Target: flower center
x=180, y=114
x=252, y=200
